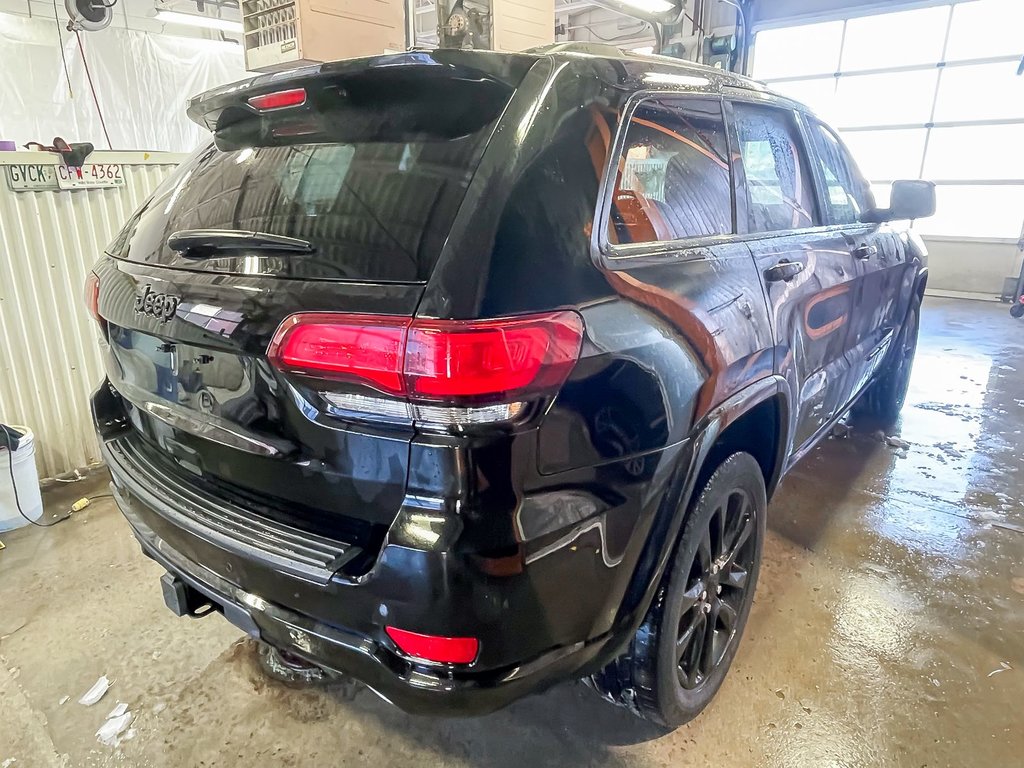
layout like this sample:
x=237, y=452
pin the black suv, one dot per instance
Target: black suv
x=466, y=373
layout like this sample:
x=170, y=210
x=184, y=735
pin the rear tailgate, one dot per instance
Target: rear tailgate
x=370, y=168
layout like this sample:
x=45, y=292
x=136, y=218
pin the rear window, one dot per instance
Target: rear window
x=372, y=175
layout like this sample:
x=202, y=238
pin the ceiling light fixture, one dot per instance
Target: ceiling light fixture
x=195, y=20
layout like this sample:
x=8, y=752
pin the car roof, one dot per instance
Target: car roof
x=716, y=77
x=698, y=77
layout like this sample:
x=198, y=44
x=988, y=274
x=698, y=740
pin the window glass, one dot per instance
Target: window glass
x=673, y=180
x=373, y=178
x=846, y=194
x=892, y=98
x=986, y=28
x=895, y=39
x=778, y=180
x=976, y=211
x=976, y=152
x=980, y=92
x=818, y=45
x=888, y=154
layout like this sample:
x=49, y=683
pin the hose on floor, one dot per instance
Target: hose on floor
x=9, y=444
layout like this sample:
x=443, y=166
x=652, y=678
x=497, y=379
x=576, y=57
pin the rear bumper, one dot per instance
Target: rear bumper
x=547, y=574
x=419, y=689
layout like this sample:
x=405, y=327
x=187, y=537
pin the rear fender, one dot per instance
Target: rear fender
x=665, y=530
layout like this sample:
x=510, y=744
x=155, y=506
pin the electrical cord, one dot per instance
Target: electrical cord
x=95, y=100
x=616, y=38
x=60, y=42
x=14, y=485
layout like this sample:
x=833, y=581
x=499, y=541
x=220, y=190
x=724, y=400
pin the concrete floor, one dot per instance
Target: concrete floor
x=888, y=628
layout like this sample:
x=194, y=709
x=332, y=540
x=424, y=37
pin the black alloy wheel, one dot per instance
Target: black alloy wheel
x=682, y=651
x=717, y=589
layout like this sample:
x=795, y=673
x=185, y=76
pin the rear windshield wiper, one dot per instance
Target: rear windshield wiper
x=201, y=243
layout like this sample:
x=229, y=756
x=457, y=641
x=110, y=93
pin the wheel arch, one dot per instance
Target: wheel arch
x=729, y=427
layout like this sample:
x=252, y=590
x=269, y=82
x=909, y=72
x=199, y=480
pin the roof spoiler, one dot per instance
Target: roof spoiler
x=219, y=107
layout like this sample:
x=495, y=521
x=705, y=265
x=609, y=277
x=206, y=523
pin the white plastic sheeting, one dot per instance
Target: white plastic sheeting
x=50, y=355
x=142, y=82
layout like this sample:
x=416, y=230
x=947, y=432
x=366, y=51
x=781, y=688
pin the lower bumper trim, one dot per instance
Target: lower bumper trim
x=414, y=688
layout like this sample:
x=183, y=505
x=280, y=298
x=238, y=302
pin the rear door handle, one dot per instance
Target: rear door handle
x=785, y=271
x=864, y=252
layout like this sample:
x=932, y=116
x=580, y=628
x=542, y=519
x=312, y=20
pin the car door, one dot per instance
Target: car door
x=879, y=265
x=669, y=248
x=807, y=268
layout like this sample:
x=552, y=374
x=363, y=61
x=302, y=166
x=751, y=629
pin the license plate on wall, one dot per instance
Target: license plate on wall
x=32, y=177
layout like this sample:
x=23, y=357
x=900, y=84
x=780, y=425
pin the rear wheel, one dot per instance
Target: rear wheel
x=682, y=651
x=883, y=400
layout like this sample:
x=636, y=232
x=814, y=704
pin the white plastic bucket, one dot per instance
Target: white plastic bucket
x=25, y=477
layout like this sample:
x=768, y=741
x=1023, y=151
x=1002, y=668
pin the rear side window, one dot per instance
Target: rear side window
x=373, y=177
x=781, y=195
x=847, y=195
x=673, y=178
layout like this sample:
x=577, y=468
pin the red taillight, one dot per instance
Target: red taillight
x=433, y=360
x=445, y=650
x=92, y=296
x=294, y=97
x=353, y=347
x=446, y=359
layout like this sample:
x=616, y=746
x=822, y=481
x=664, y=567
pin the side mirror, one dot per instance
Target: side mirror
x=909, y=200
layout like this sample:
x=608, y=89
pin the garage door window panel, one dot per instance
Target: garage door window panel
x=894, y=39
x=976, y=152
x=888, y=154
x=890, y=98
x=673, y=180
x=819, y=46
x=985, y=28
x=980, y=92
x=818, y=93
x=968, y=210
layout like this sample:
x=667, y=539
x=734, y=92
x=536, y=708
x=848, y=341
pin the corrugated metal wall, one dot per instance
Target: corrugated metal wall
x=49, y=345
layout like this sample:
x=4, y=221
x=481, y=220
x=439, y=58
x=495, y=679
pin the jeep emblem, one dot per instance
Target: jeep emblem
x=162, y=306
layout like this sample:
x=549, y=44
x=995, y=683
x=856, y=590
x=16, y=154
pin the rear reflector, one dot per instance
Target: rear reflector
x=348, y=403
x=444, y=650
x=294, y=97
x=92, y=296
x=434, y=360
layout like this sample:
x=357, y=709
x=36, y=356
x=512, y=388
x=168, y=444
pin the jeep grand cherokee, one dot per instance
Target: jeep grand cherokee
x=467, y=373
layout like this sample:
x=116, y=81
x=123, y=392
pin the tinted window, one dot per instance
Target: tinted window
x=373, y=179
x=673, y=177
x=778, y=181
x=847, y=195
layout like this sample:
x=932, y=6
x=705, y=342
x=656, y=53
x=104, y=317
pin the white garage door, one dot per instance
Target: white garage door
x=932, y=93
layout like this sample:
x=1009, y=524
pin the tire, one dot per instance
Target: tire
x=882, y=401
x=724, y=526
x=1017, y=310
